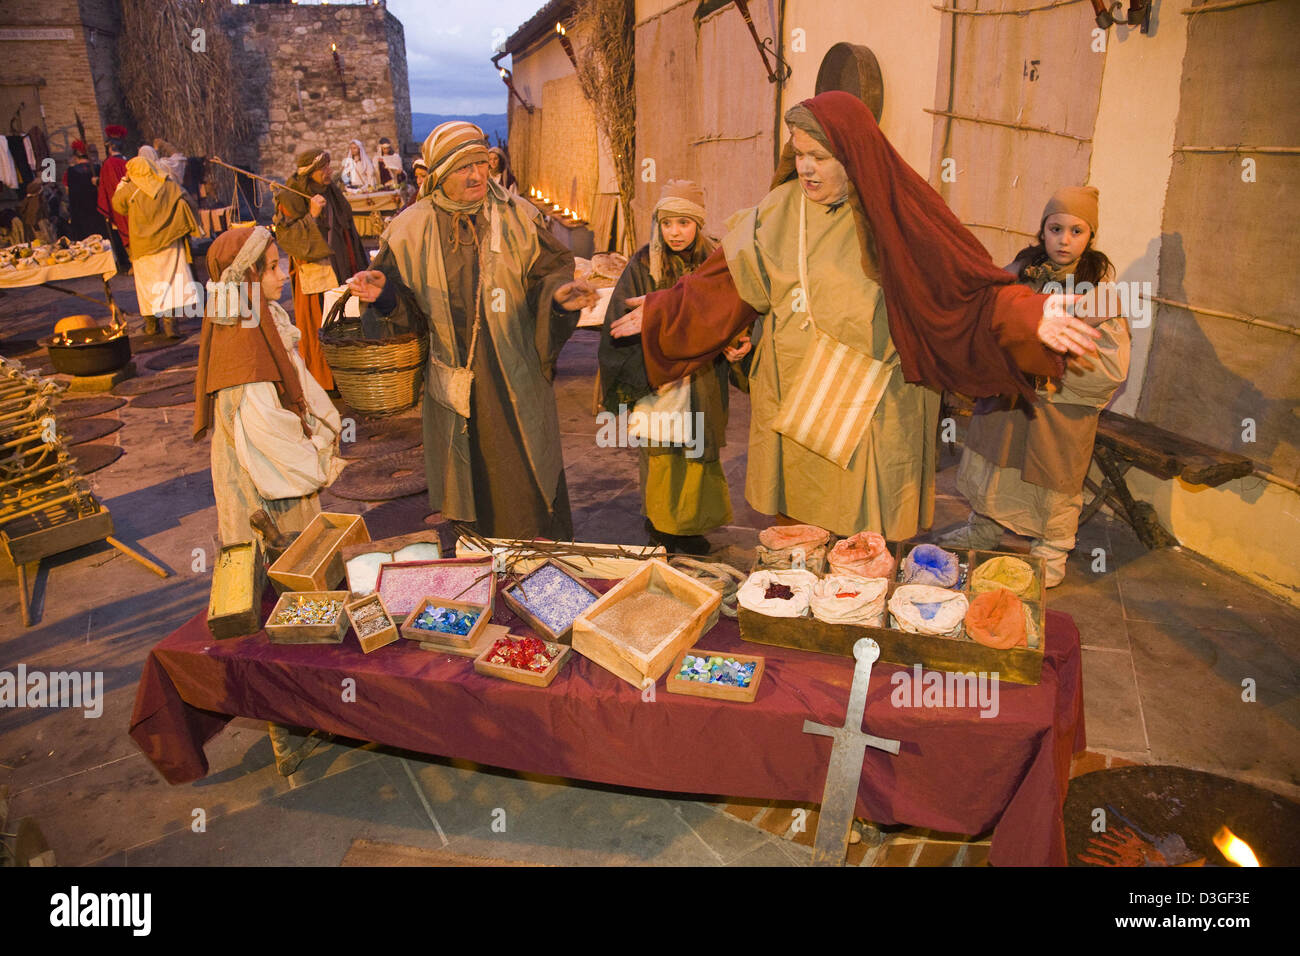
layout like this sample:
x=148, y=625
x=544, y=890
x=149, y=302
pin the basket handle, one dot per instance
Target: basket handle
x=335, y=314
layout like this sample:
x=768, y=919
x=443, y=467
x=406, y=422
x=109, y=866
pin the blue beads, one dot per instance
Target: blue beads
x=717, y=670
x=445, y=620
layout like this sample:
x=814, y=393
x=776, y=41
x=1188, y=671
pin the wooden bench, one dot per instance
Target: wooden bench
x=1123, y=443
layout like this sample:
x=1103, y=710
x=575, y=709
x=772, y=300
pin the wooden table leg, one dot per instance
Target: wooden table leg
x=23, y=600
x=137, y=556
x=1141, y=515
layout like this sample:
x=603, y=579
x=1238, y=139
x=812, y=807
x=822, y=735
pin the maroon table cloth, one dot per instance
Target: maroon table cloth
x=955, y=772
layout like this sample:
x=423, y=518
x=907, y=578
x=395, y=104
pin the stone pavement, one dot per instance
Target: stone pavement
x=1168, y=639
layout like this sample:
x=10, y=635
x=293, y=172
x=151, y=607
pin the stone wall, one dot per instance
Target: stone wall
x=294, y=93
x=46, y=56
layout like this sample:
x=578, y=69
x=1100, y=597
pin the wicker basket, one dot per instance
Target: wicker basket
x=374, y=376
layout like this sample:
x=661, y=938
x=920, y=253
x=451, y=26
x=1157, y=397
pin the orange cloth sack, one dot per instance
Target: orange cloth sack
x=865, y=554
x=780, y=537
x=997, y=619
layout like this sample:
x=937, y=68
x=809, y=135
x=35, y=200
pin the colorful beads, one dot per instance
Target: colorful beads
x=717, y=670
x=302, y=610
x=446, y=620
x=524, y=653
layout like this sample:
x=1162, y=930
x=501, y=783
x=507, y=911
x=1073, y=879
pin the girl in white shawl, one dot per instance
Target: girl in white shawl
x=358, y=170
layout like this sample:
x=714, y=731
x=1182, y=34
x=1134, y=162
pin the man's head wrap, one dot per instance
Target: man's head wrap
x=450, y=146
x=1079, y=201
x=145, y=171
x=310, y=160
x=680, y=197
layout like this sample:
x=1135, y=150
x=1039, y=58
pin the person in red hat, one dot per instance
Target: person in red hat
x=112, y=172
x=870, y=297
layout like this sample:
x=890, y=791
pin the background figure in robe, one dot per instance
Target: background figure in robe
x=389, y=165
x=501, y=300
x=110, y=174
x=82, y=183
x=891, y=274
x=1023, y=466
x=682, y=497
x=358, y=171
x=499, y=168
x=274, y=430
x=322, y=241
x=159, y=221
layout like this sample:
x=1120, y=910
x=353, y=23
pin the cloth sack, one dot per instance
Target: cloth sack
x=1006, y=572
x=922, y=609
x=663, y=417
x=316, y=277
x=752, y=594
x=777, y=546
x=849, y=599
x=998, y=618
x=931, y=565
x=865, y=554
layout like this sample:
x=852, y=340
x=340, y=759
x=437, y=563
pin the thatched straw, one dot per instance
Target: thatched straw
x=184, y=95
x=605, y=71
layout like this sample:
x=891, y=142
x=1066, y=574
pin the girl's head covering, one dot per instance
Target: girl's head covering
x=235, y=350
x=1080, y=201
x=680, y=197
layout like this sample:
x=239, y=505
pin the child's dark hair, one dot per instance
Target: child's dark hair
x=1094, y=265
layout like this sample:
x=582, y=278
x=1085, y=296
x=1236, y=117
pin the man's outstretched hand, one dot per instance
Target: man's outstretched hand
x=367, y=286
x=575, y=295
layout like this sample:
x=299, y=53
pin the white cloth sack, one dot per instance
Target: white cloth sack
x=922, y=609
x=751, y=594
x=865, y=609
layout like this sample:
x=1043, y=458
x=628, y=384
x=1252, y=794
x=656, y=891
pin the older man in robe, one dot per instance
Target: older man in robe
x=322, y=241
x=894, y=283
x=501, y=301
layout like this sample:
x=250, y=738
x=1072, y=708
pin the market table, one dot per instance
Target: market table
x=367, y=209
x=100, y=263
x=956, y=771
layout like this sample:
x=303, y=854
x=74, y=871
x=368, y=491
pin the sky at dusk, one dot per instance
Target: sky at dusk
x=448, y=50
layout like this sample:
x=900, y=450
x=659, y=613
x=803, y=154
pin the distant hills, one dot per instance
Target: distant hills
x=495, y=125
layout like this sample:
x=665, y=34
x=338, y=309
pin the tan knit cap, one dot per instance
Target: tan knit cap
x=1078, y=201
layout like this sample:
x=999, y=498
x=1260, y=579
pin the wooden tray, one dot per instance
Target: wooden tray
x=380, y=638
x=620, y=658
x=475, y=567
x=506, y=672
x=413, y=633
x=238, y=580
x=314, y=562
x=743, y=695
x=544, y=630
x=309, y=633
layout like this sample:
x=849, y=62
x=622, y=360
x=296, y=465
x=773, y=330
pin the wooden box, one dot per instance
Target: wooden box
x=238, y=580
x=517, y=598
x=309, y=633
x=314, y=562
x=413, y=633
x=744, y=695
x=542, y=679
x=387, y=550
x=640, y=661
x=376, y=639
x=403, y=585
x=1017, y=665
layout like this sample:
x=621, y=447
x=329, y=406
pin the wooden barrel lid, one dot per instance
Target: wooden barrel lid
x=853, y=69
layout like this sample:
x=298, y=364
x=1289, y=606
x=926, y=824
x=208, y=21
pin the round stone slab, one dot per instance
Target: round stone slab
x=80, y=430
x=93, y=457
x=182, y=356
x=153, y=383
x=165, y=398
x=71, y=408
x=383, y=478
x=383, y=438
